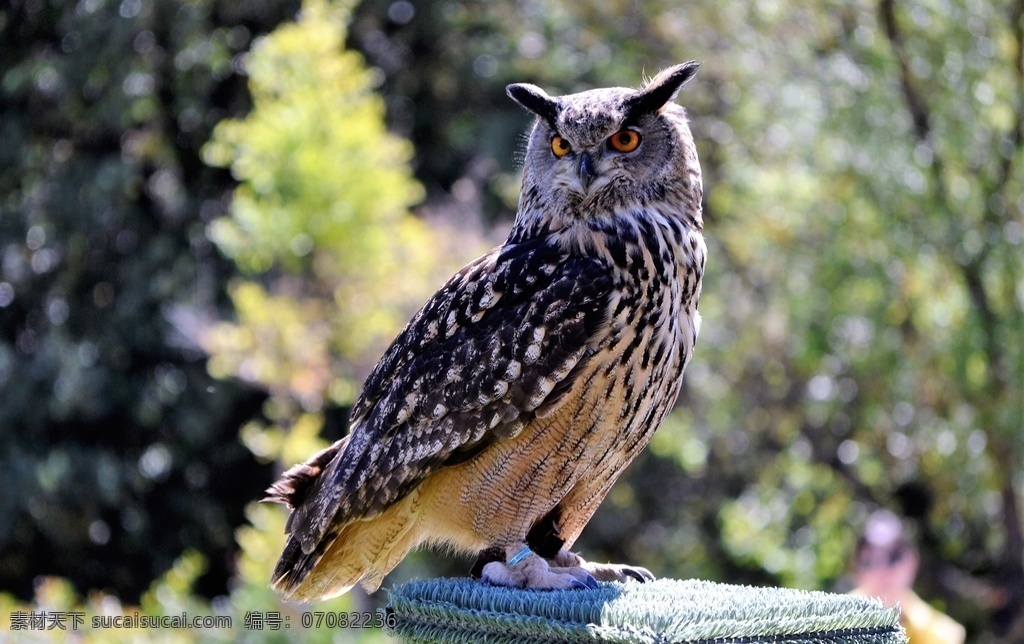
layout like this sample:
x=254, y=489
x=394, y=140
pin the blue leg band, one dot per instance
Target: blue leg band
x=522, y=554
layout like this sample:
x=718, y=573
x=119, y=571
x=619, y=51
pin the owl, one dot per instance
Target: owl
x=502, y=414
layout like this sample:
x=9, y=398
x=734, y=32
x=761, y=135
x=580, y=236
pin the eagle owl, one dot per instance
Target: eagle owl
x=502, y=414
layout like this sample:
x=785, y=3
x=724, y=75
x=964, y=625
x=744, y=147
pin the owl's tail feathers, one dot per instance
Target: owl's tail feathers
x=292, y=577
x=360, y=552
x=293, y=489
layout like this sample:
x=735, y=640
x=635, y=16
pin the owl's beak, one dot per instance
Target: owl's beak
x=586, y=169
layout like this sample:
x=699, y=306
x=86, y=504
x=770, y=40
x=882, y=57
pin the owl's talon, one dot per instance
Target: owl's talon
x=591, y=582
x=642, y=575
x=576, y=584
x=572, y=563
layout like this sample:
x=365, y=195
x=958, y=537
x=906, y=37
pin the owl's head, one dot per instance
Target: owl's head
x=605, y=151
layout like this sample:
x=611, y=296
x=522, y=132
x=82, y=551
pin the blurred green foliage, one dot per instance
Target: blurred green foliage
x=320, y=221
x=118, y=451
x=863, y=342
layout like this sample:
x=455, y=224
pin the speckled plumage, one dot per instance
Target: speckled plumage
x=504, y=411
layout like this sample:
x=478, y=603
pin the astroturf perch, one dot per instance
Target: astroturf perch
x=450, y=611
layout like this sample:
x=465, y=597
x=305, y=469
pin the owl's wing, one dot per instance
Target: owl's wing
x=497, y=345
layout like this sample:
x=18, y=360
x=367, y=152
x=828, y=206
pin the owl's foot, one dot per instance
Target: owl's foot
x=526, y=569
x=566, y=560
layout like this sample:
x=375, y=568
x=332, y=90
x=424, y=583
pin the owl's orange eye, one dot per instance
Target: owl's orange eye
x=560, y=146
x=625, y=140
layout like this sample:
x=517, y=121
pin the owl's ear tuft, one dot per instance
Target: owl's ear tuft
x=661, y=90
x=534, y=99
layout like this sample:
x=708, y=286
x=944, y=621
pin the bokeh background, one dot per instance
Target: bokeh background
x=214, y=216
